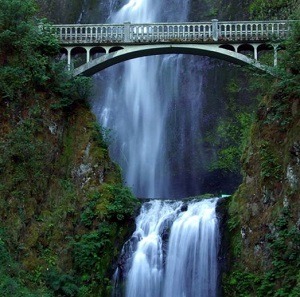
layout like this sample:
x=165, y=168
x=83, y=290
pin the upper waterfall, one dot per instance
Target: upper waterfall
x=143, y=100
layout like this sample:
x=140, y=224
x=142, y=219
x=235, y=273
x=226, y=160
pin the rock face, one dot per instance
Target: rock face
x=61, y=195
x=264, y=212
x=61, y=11
x=64, y=213
x=75, y=11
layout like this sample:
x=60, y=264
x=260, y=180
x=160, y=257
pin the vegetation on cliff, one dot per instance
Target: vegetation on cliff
x=264, y=212
x=64, y=214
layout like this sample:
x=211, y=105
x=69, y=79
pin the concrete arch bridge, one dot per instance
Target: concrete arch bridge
x=104, y=45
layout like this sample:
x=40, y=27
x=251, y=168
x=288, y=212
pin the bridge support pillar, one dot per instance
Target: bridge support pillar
x=275, y=54
x=69, y=57
x=88, y=56
x=255, y=46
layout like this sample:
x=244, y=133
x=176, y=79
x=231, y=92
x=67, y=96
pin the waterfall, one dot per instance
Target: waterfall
x=153, y=108
x=142, y=98
x=173, y=252
x=191, y=265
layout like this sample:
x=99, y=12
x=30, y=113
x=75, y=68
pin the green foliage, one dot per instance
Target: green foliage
x=93, y=253
x=102, y=136
x=27, y=58
x=278, y=112
x=122, y=203
x=61, y=284
x=287, y=84
x=270, y=165
x=16, y=13
x=40, y=198
x=232, y=132
x=281, y=246
x=289, y=68
x=113, y=203
x=12, y=276
x=68, y=88
x=25, y=52
x=105, y=213
x=12, y=80
x=282, y=278
x=270, y=9
x=88, y=250
x=23, y=157
x=284, y=247
x=241, y=284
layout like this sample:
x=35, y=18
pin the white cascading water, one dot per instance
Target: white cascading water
x=141, y=98
x=173, y=252
x=191, y=264
x=183, y=265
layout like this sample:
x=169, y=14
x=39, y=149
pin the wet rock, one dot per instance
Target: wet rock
x=243, y=232
x=87, y=151
x=84, y=169
x=291, y=177
x=101, y=175
x=257, y=250
x=254, y=209
x=249, y=179
x=53, y=128
x=268, y=197
x=295, y=151
x=285, y=202
x=184, y=207
x=295, y=107
x=272, y=228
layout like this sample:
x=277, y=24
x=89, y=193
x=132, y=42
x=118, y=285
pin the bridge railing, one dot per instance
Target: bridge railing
x=264, y=30
x=202, y=32
x=161, y=32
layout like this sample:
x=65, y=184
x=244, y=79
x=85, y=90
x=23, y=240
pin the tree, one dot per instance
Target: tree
x=26, y=53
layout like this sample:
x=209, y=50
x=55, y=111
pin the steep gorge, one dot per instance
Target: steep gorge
x=63, y=203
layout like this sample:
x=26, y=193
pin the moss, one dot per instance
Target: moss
x=263, y=213
x=44, y=227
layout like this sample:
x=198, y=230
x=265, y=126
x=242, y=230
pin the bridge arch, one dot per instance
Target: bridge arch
x=247, y=49
x=96, y=52
x=78, y=50
x=136, y=51
x=115, y=48
x=227, y=46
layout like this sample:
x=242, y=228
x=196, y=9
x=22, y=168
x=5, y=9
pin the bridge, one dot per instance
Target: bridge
x=104, y=45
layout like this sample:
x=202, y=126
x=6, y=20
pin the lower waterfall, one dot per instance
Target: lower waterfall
x=172, y=253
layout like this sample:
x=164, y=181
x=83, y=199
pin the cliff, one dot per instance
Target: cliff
x=64, y=212
x=264, y=218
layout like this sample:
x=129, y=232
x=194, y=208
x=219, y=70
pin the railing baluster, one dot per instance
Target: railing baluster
x=188, y=32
